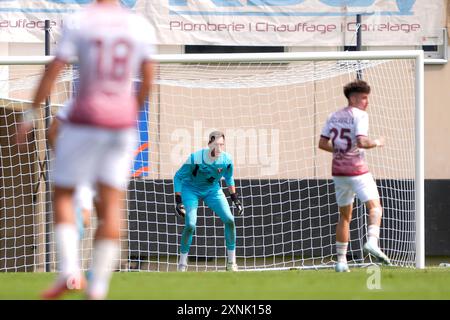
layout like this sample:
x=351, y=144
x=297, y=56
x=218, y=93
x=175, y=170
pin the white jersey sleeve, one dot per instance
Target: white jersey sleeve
x=326, y=128
x=361, y=123
x=146, y=40
x=68, y=44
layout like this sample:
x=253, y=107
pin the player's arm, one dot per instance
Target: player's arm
x=44, y=88
x=47, y=81
x=324, y=141
x=147, y=73
x=147, y=50
x=361, y=131
x=229, y=180
x=180, y=175
x=65, y=51
x=364, y=142
x=325, y=144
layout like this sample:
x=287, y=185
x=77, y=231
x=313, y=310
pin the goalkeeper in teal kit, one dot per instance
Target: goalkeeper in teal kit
x=199, y=179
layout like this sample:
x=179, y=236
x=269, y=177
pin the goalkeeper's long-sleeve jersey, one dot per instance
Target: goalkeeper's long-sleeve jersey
x=200, y=172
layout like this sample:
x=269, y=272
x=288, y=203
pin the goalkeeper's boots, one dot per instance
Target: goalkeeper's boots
x=232, y=266
x=72, y=283
x=376, y=252
x=341, y=267
x=182, y=268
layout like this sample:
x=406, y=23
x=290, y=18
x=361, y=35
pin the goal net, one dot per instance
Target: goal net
x=271, y=108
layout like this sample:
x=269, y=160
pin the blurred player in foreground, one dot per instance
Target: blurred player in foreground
x=199, y=179
x=345, y=134
x=96, y=148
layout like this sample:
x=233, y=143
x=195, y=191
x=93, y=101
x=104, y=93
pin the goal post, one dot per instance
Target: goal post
x=271, y=107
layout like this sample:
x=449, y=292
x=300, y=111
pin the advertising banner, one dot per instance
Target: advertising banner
x=251, y=22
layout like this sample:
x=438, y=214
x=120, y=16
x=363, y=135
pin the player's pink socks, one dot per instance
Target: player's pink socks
x=106, y=253
x=341, y=249
x=67, y=243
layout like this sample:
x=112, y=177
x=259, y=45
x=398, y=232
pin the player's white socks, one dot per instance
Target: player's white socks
x=231, y=256
x=106, y=253
x=67, y=243
x=373, y=235
x=183, y=259
x=341, y=249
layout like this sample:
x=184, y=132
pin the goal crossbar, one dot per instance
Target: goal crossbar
x=417, y=55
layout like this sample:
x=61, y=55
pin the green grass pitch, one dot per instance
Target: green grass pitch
x=394, y=283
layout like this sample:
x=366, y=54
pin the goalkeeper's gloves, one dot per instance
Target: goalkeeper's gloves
x=237, y=203
x=180, y=210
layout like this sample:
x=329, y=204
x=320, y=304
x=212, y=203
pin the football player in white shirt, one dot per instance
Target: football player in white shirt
x=112, y=45
x=84, y=194
x=345, y=134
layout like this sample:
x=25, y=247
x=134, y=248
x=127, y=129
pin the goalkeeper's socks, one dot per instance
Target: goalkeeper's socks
x=373, y=235
x=67, y=243
x=106, y=251
x=231, y=256
x=341, y=249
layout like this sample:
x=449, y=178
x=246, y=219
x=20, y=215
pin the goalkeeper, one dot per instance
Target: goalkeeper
x=199, y=178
